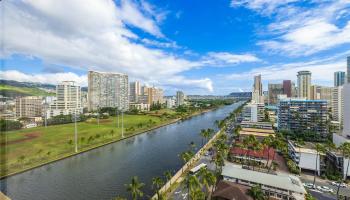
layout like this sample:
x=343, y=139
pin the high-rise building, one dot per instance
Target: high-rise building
x=304, y=83
x=339, y=78
x=68, y=100
x=287, y=88
x=321, y=93
x=180, y=98
x=30, y=106
x=338, y=104
x=348, y=69
x=303, y=115
x=274, y=91
x=253, y=112
x=257, y=93
x=135, y=92
x=107, y=90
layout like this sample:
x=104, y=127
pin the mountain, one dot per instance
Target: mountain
x=9, y=88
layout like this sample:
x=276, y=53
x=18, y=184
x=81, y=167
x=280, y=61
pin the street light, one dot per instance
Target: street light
x=122, y=124
x=75, y=131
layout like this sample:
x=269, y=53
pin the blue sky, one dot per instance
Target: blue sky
x=201, y=47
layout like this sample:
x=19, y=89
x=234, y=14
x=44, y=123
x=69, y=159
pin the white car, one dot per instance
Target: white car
x=343, y=185
x=325, y=189
x=308, y=185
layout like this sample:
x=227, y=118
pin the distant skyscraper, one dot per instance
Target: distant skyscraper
x=287, y=88
x=304, y=84
x=348, y=67
x=107, y=90
x=135, y=92
x=257, y=94
x=274, y=91
x=339, y=79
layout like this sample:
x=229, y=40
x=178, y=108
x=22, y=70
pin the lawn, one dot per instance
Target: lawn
x=27, y=148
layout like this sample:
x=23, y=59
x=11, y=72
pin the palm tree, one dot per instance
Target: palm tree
x=345, y=148
x=208, y=179
x=157, y=182
x=135, y=188
x=203, y=134
x=319, y=149
x=267, y=142
x=168, y=175
x=193, y=185
x=186, y=156
x=256, y=193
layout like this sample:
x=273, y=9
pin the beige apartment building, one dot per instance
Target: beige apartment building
x=30, y=106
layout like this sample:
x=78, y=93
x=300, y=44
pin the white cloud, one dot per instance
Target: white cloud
x=322, y=70
x=225, y=58
x=48, y=78
x=303, y=30
x=90, y=35
x=160, y=44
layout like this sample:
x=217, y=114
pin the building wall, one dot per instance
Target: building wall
x=287, y=88
x=339, y=78
x=180, y=98
x=134, y=91
x=304, y=83
x=338, y=104
x=300, y=115
x=107, y=90
x=346, y=122
x=29, y=106
x=274, y=91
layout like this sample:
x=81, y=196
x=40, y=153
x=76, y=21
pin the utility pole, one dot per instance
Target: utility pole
x=75, y=131
x=122, y=124
x=98, y=115
x=46, y=112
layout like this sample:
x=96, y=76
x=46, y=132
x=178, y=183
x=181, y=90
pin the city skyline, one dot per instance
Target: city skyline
x=168, y=50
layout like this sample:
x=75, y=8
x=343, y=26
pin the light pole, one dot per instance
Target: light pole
x=122, y=124
x=98, y=115
x=75, y=131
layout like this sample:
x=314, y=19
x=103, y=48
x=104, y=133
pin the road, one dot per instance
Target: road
x=320, y=182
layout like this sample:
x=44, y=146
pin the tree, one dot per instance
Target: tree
x=345, y=149
x=256, y=193
x=193, y=186
x=203, y=134
x=135, y=188
x=268, y=142
x=157, y=182
x=208, y=179
x=186, y=156
x=168, y=175
x=319, y=149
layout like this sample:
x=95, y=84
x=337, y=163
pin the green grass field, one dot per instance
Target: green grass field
x=23, y=90
x=27, y=148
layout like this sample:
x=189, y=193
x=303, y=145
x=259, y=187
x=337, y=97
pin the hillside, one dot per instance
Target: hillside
x=15, y=91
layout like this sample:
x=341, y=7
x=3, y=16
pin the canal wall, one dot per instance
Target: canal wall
x=3, y=197
x=177, y=176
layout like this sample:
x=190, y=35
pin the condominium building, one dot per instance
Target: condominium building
x=304, y=83
x=348, y=69
x=253, y=112
x=303, y=115
x=30, y=106
x=274, y=91
x=170, y=102
x=107, y=90
x=338, y=104
x=134, y=92
x=287, y=88
x=257, y=93
x=180, y=98
x=321, y=93
x=151, y=95
x=68, y=100
x=339, y=78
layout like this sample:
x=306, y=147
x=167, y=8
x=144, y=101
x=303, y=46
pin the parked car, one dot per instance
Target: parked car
x=343, y=185
x=325, y=189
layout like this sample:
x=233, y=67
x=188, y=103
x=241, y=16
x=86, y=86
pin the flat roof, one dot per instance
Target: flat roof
x=307, y=147
x=282, y=181
x=256, y=134
x=258, y=130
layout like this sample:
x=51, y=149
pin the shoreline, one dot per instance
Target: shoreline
x=105, y=144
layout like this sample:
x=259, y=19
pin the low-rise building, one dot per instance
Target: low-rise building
x=140, y=106
x=258, y=125
x=305, y=156
x=337, y=163
x=30, y=106
x=280, y=186
x=260, y=134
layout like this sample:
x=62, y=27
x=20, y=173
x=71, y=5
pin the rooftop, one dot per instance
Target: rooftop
x=281, y=181
x=257, y=130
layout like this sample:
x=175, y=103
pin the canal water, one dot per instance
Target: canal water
x=102, y=173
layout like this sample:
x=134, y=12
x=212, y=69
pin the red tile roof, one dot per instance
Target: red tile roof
x=257, y=154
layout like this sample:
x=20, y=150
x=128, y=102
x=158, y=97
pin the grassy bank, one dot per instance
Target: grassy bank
x=29, y=148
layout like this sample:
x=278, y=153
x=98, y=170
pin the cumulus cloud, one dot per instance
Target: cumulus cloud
x=91, y=35
x=49, y=78
x=322, y=70
x=300, y=29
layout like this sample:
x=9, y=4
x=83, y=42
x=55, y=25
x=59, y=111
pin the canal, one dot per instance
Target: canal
x=102, y=173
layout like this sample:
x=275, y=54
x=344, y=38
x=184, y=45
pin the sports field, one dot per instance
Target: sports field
x=27, y=148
